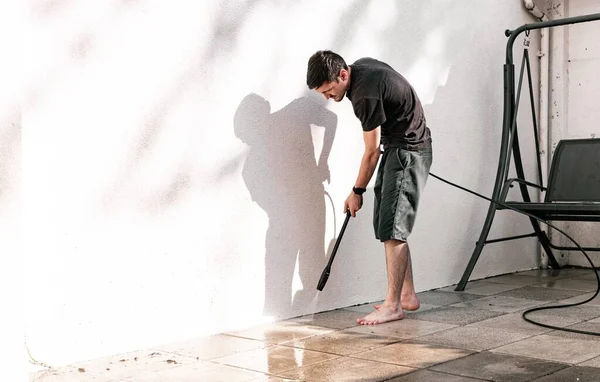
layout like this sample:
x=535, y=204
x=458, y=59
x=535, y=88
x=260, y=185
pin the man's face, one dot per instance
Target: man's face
x=335, y=89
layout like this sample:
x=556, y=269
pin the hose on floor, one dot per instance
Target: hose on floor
x=525, y=313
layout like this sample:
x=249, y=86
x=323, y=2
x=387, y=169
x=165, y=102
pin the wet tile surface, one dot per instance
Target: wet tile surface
x=588, y=274
x=279, y=332
x=472, y=338
x=546, y=274
x=572, y=284
x=594, y=362
x=500, y=367
x=347, y=369
x=571, y=314
x=413, y=354
x=566, y=350
x=440, y=298
x=274, y=359
x=432, y=376
x=575, y=373
x=335, y=319
x=204, y=371
x=541, y=293
x=512, y=323
x=517, y=280
x=343, y=342
x=499, y=304
x=582, y=326
x=404, y=329
x=212, y=347
x=131, y=364
x=475, y=335
x=584, y=297
x=455, y=315
x=482, y=288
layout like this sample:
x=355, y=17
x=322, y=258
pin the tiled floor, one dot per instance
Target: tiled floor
x=475, y=335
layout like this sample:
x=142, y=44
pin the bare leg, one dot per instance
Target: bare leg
x=408, y=299
x=398, y=263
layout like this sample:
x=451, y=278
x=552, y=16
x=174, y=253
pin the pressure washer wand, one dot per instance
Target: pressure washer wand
x=327, y=270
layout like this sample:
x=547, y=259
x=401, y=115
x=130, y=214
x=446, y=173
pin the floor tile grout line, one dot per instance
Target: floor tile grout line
x=458, y=375
x=549, y=374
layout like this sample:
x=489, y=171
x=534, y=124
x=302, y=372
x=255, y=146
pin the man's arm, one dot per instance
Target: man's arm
x=367, y=168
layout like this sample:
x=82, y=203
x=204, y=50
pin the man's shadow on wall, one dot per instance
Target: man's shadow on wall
x=286, y=181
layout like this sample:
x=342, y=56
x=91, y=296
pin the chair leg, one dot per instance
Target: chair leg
x=545, y=242
x=478, y=248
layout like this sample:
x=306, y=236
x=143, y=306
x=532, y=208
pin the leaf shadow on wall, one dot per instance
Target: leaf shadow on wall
x=285, y=179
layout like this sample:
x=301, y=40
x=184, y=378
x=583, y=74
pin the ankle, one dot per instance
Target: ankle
x=409, y=295
x=393, y=306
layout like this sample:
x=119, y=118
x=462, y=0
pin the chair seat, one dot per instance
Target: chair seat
x=577, y=211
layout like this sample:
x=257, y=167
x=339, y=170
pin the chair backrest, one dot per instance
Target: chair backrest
x=575, y=171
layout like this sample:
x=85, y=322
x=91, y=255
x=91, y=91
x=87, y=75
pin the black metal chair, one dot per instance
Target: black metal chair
x=573, y=191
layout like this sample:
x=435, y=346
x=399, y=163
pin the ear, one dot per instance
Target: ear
x=344, y=75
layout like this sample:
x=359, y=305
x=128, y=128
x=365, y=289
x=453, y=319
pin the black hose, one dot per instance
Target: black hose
x=524, y=315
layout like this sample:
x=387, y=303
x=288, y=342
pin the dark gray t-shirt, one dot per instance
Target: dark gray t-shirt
x=382, y=97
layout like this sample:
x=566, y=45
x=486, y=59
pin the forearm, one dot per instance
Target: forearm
x=367, y=168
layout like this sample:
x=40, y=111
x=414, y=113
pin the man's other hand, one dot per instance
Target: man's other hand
x=353, y=203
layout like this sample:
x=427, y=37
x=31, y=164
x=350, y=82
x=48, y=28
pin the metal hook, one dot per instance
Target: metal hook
x=526, y=39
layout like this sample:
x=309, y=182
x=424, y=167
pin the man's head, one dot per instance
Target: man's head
x=328, y=74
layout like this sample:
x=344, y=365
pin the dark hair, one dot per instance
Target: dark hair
x=324, y=66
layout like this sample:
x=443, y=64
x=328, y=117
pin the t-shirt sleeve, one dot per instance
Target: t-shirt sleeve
x=370, y=113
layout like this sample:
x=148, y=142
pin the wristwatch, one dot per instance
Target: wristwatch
x=359, y=191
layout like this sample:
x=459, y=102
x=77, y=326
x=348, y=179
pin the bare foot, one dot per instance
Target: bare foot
x=381, y=315
x=410, y=304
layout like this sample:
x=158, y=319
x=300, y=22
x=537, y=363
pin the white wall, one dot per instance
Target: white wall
x=11, y=269
x=574, y=111
x=170, y=186
x=583, y=113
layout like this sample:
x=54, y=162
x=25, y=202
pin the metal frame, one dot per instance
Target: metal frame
x=510, y=141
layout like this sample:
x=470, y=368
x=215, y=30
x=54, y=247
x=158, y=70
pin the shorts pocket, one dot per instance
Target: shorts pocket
x=403, y=157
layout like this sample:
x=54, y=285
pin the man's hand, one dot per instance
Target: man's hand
x=353, y=203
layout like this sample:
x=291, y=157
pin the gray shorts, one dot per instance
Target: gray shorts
x=400, y=181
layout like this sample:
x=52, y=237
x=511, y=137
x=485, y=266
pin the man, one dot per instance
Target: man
x=391, y=116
